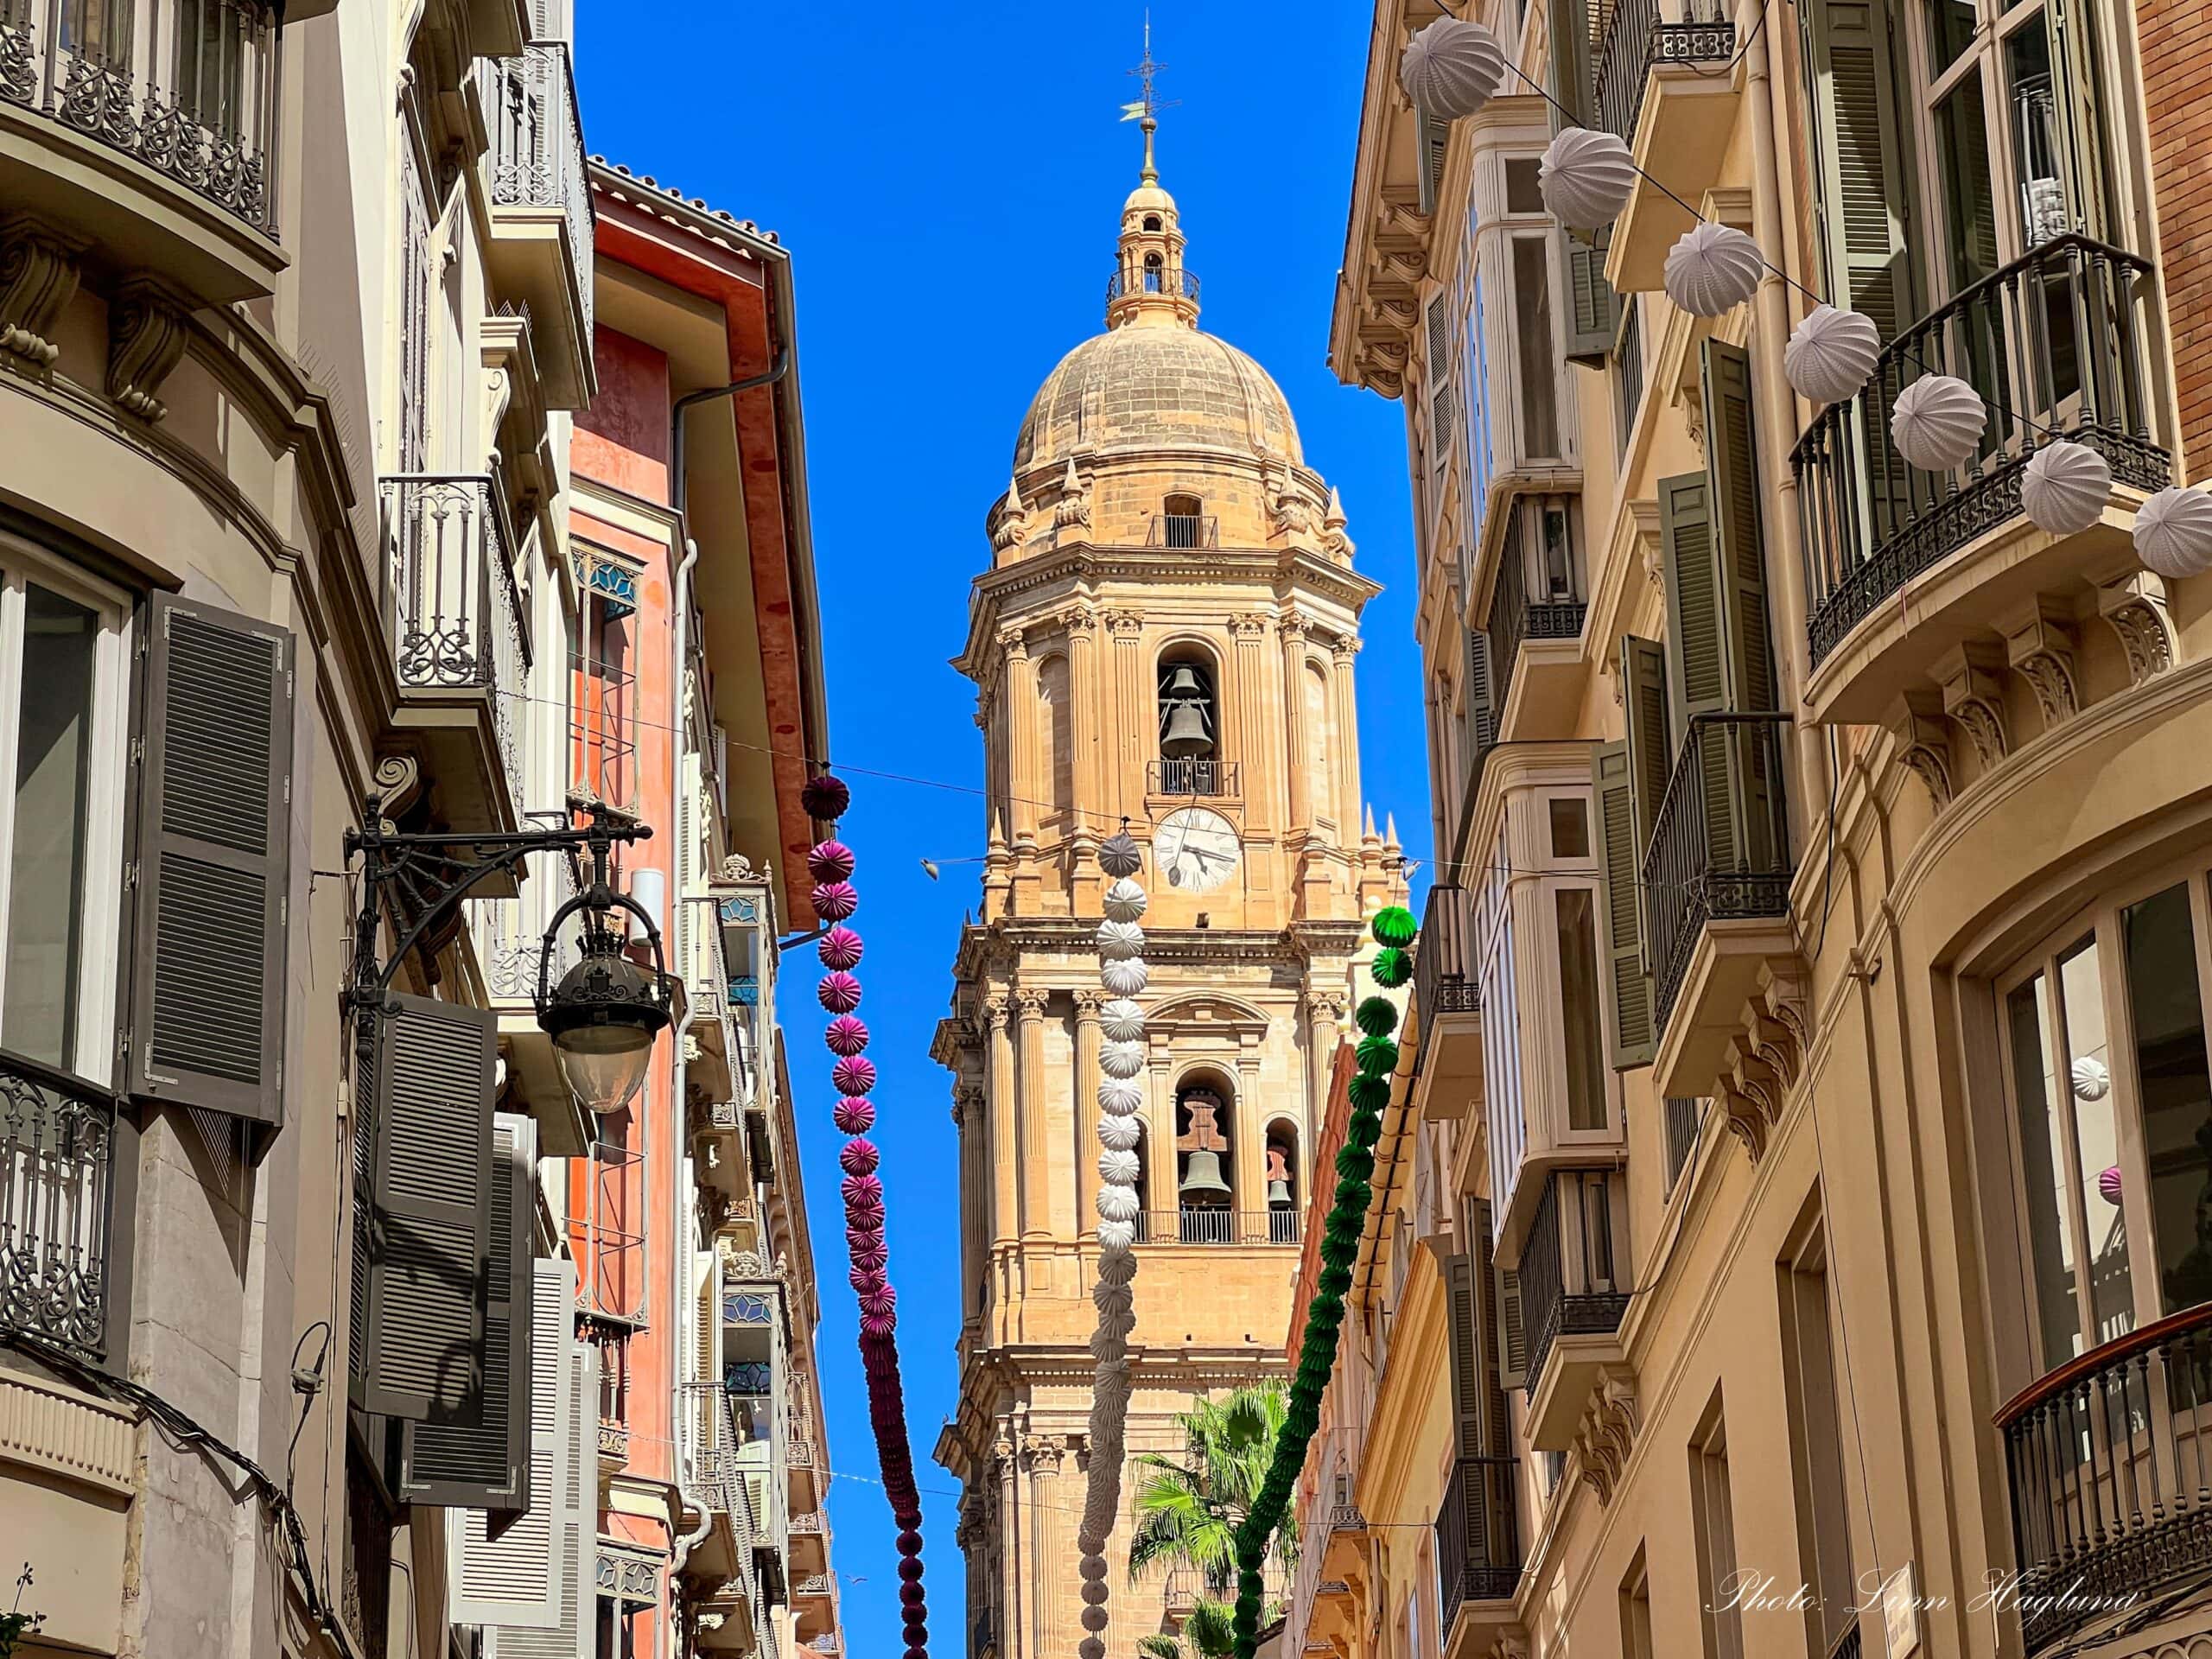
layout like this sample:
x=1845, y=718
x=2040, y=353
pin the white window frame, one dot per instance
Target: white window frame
x=21, y=562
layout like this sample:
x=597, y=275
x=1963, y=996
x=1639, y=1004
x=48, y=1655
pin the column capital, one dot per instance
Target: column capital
x=1124, y=625
x=1029, y=1002
x=1247, y=626
x=1013, y=642
x=995, y=1007
x=1077, y=618
x=1088, y=1002
x=1294, y=625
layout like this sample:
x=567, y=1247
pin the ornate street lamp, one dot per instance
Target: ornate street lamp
x=604, y=1011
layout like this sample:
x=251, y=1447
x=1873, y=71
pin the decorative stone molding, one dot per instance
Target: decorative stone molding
x=2135, y=609
x=1013, y=526
x=2039, y=646
x=1077, y=619
x=1293, y=511
x=1691, y=405
x=737, y=868
x=1029, y=1002
x=398, y=780
x=1925, y=743
x=1606, y=1434
x=1973, y=696
x=1248, y=625
x=146, y=338
x=1124, y=624
x=38, y=278
x=1334, y=540
x=1088, y=1000
x=1072, y=509
x=1763, y=1060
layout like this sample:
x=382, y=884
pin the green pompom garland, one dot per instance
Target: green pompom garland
x=1370, y=1092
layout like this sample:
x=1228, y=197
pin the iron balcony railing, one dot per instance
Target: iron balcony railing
x=189, y=87
x=57, y=1153
x=1152, y=281
x=1570, y=1284
x=1639, y=34
x=1284, y=1224
x=1721, y=844
x=1442, y=959
x=537, y=158
x=1521, y=611
x=1846, y=1644
x=2110, y=1474
x=1478, y=1535
x=1193, y=777
x=1184, y=530
x=1685, y=1118
x=2059, y=343
x=452, y=608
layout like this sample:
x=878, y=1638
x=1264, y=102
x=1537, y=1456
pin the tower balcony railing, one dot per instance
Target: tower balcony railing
x=2108, y=1463
x=1150, y=281
x=2061, y=345
x=1184, y=530
x=1201, y=776
x=1281, y=1224
x=188, y=87
x=57, y=1143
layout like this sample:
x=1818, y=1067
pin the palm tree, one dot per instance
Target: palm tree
x=1188, y=1512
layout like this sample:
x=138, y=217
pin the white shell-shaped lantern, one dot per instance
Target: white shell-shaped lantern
x=1125, y=978
x=1587, y=178
x=1119, y=941
x=1119, y=1168
x=1116, y=1204
x=1712, y=269
x=2091, y=1078
x=1832, y=354
x=1937, y=422
x=2173, y=533
x=2064, y=488
x=1120, y=1133
x=1124, y=901
x=1121, y=1060
x=1122, y=1020
x=1451, y=69
x=1117, y=1098
x=1116, y=1235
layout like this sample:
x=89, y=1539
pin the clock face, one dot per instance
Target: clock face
x=1196, y=849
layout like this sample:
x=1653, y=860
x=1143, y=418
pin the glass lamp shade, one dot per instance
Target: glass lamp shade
x=603, y=1065
x=603, y=1017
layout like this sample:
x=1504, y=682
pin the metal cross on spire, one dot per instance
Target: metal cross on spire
x=1146, y=110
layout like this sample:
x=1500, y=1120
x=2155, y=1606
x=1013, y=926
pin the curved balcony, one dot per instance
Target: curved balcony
x=2109, y=1470
x=2061, y=343
x=1155, y=282
x=145, y=128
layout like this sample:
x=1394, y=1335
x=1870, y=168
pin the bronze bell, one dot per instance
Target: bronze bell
x=1185, y=736
x=1202, y=1182
x=1279, y=1192
x=1183, y=681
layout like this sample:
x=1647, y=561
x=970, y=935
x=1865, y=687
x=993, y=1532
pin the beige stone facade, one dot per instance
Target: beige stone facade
x=1161, y=517
x=1793, y=1191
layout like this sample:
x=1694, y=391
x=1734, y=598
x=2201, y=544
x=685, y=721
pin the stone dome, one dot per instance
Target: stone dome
x=1135, y=388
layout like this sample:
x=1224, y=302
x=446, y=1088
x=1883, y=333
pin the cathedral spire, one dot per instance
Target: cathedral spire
x=1150, y=285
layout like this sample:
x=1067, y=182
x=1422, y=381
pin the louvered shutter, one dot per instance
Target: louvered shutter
x=516, y=1579
x=569, y=1633
x=1696, y=671
x=1739, y=553
x=1651, y=738
x=1627, y=987
x=1433, y=141
x=1571, y=81
x=429, y=1243
x=1441, y=398
x=1482, y=697
x=212, y=861
x=1468, y=1394
x=1593, y=312
x=486, y=1466
x=1512, y=1335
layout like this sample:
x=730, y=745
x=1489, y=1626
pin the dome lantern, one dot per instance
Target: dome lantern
x=1149, y=285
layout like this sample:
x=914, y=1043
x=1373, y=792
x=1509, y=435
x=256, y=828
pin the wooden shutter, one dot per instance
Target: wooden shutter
x=429, y=1243
x=1512, y=1335
x=486, y=1466
x=1482, y=697
x=212, y=861
x=569, y=1632
x=515, y=1580
x=1739, y=553
x=1696, y=674
x=1432, y=140
x=1593, y=312
x=1651, y=739
x=1861, y=210
x=1571, y=80
x=1438, y=328
x=1469, y=1395
x=1627, y=987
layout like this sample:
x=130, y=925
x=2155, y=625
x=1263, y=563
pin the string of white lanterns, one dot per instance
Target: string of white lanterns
x=1122, y=1060
x=1453, y=66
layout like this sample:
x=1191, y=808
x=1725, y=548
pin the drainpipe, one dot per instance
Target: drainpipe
x=1779, y=421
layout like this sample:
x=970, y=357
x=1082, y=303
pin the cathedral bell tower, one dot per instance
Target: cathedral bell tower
x=1164, y=635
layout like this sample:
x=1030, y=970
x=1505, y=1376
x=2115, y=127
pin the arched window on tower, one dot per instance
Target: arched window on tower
x=1205, y=1200
x=1190, y=724
x=1055, y=739
x=1152, y=222
x=1283, y=1200
x=1152, y=273
x=1183, y=521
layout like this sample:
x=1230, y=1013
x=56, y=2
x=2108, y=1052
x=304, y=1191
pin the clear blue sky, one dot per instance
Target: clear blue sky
x=948, y=179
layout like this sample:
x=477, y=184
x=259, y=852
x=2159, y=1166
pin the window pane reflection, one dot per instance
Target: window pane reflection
x=2096, y=1140
x=2177, y=1091
x=2042, y=1130
x=47, y=863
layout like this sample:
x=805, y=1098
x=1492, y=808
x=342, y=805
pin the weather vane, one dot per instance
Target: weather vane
x=1146, y=110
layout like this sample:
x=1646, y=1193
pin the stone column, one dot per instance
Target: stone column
x=1160, y=1146
x=1036, y=1162
x=1247, y=1152
x=1021, y=780
x=1003, y=1142
x=970, y=1113
x=1251, y=734
x=1131, y=738
x=1298, y=794
x=1088, y=1076
x=1347, y=725
x=1047, y=1546
x=1324, y=1012
x=1086, y=793
x=1014, y=1600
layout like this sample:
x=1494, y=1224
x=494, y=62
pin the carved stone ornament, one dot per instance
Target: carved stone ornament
x=146, y=339
x=1072, y=509
x=1763, y=1059
x=1924, y=744
x=1973, y=696
x=38, y=278
x=1606, y=1434
x=2135, y=609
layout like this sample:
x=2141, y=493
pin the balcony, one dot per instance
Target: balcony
x=1155, y=282
x=146, y=127
x=1478, y=1553
x=1663, y=87
x=2105, y=1461
x=1716, y=889
x=1535, y=621
x=57, y=1141
x=1284, y=1224
x=1573, y=1292
x=1184, y=530
x=2060, y=342
x=1448, y=1052
x=460, y=641
x=1205, y=777
x=542, y=220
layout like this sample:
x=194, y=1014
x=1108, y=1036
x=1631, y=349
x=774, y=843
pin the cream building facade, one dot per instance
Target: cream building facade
x=1164, y=636
x=1795, y=1174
